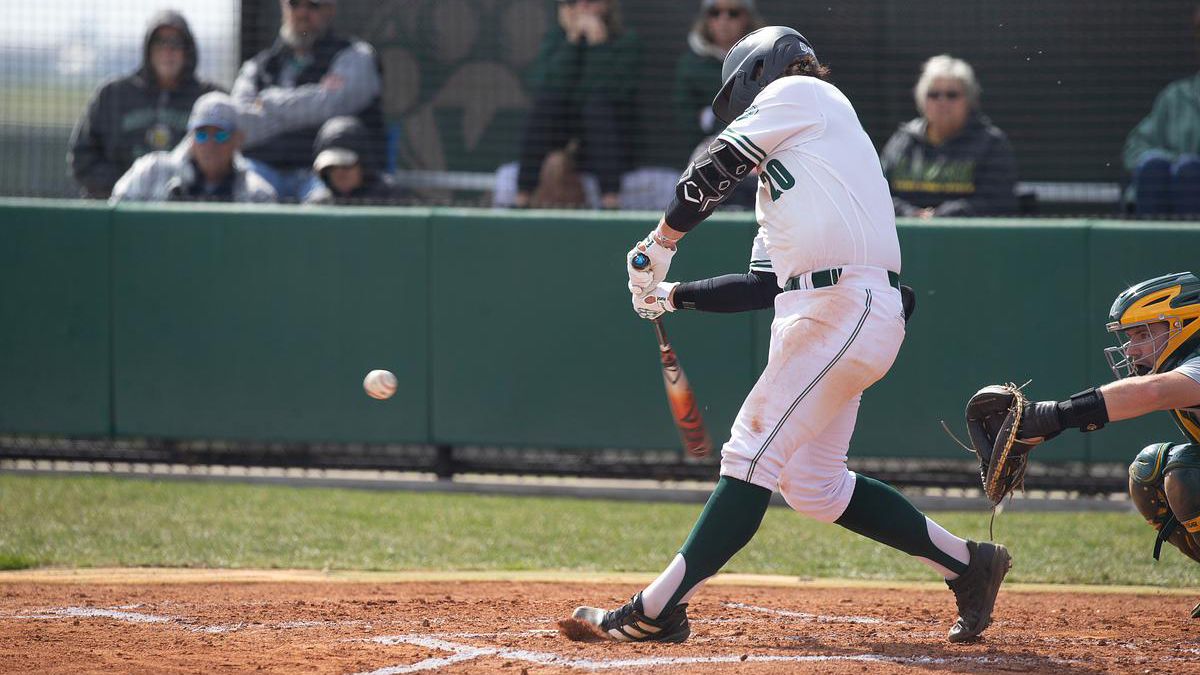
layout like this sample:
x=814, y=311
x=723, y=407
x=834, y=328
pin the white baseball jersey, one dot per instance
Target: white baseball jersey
x=822, y=198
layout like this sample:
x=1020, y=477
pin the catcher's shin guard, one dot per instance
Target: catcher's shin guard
x=628, y=623
x=976, y=589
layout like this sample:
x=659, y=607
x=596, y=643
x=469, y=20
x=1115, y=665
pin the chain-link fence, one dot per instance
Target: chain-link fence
x=511, y=102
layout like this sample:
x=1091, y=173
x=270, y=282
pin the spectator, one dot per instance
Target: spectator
x=206, y=166
x=951, y=161
x=142, y=112
x=718, y=26
x=582, y=111
x=345, y=161
x=1163, y=151
x=309, y=75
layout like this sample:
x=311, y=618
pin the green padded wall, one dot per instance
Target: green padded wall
x=536, y=342
x=997, y=301
x=509, y=328
x=54, y=318
x=246, y=323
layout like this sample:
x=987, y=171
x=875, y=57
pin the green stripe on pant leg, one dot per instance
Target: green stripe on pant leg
x=729, y=520
x=877, y=511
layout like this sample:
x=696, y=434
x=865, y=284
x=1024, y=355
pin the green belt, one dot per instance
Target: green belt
x=829, y=277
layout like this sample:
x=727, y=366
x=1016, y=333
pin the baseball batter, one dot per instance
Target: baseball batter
x=827, y=258
x=1157, y=365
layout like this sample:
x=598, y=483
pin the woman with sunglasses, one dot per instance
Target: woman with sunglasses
x=950, y=161
x=718, y=26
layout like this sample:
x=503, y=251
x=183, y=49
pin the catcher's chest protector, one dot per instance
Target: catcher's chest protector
x=1164, y=484
x=1188, y=422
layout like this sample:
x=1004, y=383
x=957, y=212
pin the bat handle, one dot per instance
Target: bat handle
x=641, y=261
x=660, y=333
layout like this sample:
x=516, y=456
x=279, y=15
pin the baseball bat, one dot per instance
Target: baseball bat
x=684, y=411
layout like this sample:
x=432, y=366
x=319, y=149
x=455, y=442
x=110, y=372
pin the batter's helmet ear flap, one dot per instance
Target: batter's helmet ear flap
x=720, y=104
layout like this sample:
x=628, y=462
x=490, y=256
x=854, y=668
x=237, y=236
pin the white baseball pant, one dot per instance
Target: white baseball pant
x=827, y=345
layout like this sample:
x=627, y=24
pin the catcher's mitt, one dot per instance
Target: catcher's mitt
x=993, y=418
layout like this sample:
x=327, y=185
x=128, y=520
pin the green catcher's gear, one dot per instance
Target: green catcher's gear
x=1164, y=484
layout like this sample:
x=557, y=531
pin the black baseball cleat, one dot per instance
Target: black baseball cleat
x=628, y=623
x=975, y=591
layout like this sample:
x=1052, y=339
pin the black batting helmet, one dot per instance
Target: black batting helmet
x=754, y=62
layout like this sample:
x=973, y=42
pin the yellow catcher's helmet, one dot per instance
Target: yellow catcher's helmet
x=1171, y=298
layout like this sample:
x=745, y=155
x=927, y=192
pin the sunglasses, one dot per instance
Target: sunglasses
x=950, y=95
x=306, y=4
x=731, y=12
x=218, y=137
x=168, y=42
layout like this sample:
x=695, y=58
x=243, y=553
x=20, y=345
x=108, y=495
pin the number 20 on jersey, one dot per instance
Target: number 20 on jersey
x=776, y=177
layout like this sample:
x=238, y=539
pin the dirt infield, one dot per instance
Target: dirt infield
x=127, y=625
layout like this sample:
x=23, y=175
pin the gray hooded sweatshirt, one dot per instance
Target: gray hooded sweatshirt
x=130, y=116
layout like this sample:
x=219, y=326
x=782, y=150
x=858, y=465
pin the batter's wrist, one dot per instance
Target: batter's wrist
x=663, y=240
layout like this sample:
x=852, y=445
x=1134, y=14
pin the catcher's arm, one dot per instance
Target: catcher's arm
x=1004, y=427
x=1044, y=420
x=1136, y=396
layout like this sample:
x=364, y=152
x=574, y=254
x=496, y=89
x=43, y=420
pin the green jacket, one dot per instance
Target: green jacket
x=582, y=71
x=1173, y=125
x=697, y=79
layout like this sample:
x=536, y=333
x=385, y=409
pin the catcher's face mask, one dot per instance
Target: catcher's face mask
x=1139, y=346
x=1156, y=323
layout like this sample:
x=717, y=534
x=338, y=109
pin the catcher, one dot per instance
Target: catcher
x=1157, y=365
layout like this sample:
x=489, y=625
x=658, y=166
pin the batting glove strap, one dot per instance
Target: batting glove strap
x=655, y=303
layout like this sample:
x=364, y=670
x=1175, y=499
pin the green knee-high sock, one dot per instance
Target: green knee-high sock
x=877, y=511
x=729, y=520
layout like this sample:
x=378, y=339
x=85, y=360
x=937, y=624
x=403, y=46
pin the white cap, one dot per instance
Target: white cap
x=334, y=157
x=213, y=109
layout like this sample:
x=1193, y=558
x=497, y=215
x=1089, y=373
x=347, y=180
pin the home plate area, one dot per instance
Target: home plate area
x=504, y=627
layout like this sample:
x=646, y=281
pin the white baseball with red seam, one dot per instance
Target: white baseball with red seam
x=380, y=384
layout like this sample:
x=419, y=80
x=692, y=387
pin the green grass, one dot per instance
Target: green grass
x=104, y=521
x=10, y=561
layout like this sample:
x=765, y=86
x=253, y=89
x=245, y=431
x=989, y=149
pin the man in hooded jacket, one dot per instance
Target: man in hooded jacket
x=144, y=111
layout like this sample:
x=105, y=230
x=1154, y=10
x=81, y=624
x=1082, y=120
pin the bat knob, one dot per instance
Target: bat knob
x=640, y=261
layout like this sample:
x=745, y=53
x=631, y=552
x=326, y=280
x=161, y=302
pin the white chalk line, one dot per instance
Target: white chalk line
x=95, y=613
x=185, y=624
x=819, y=618
x=461, y=652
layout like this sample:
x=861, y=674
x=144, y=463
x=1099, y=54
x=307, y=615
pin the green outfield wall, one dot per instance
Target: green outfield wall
x=507, y=328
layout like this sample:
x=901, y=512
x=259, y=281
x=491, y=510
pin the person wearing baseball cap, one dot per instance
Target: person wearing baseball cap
x=206, y=166
x=346, y=161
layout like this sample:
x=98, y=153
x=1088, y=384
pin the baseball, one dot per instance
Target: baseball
x=380, y=384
